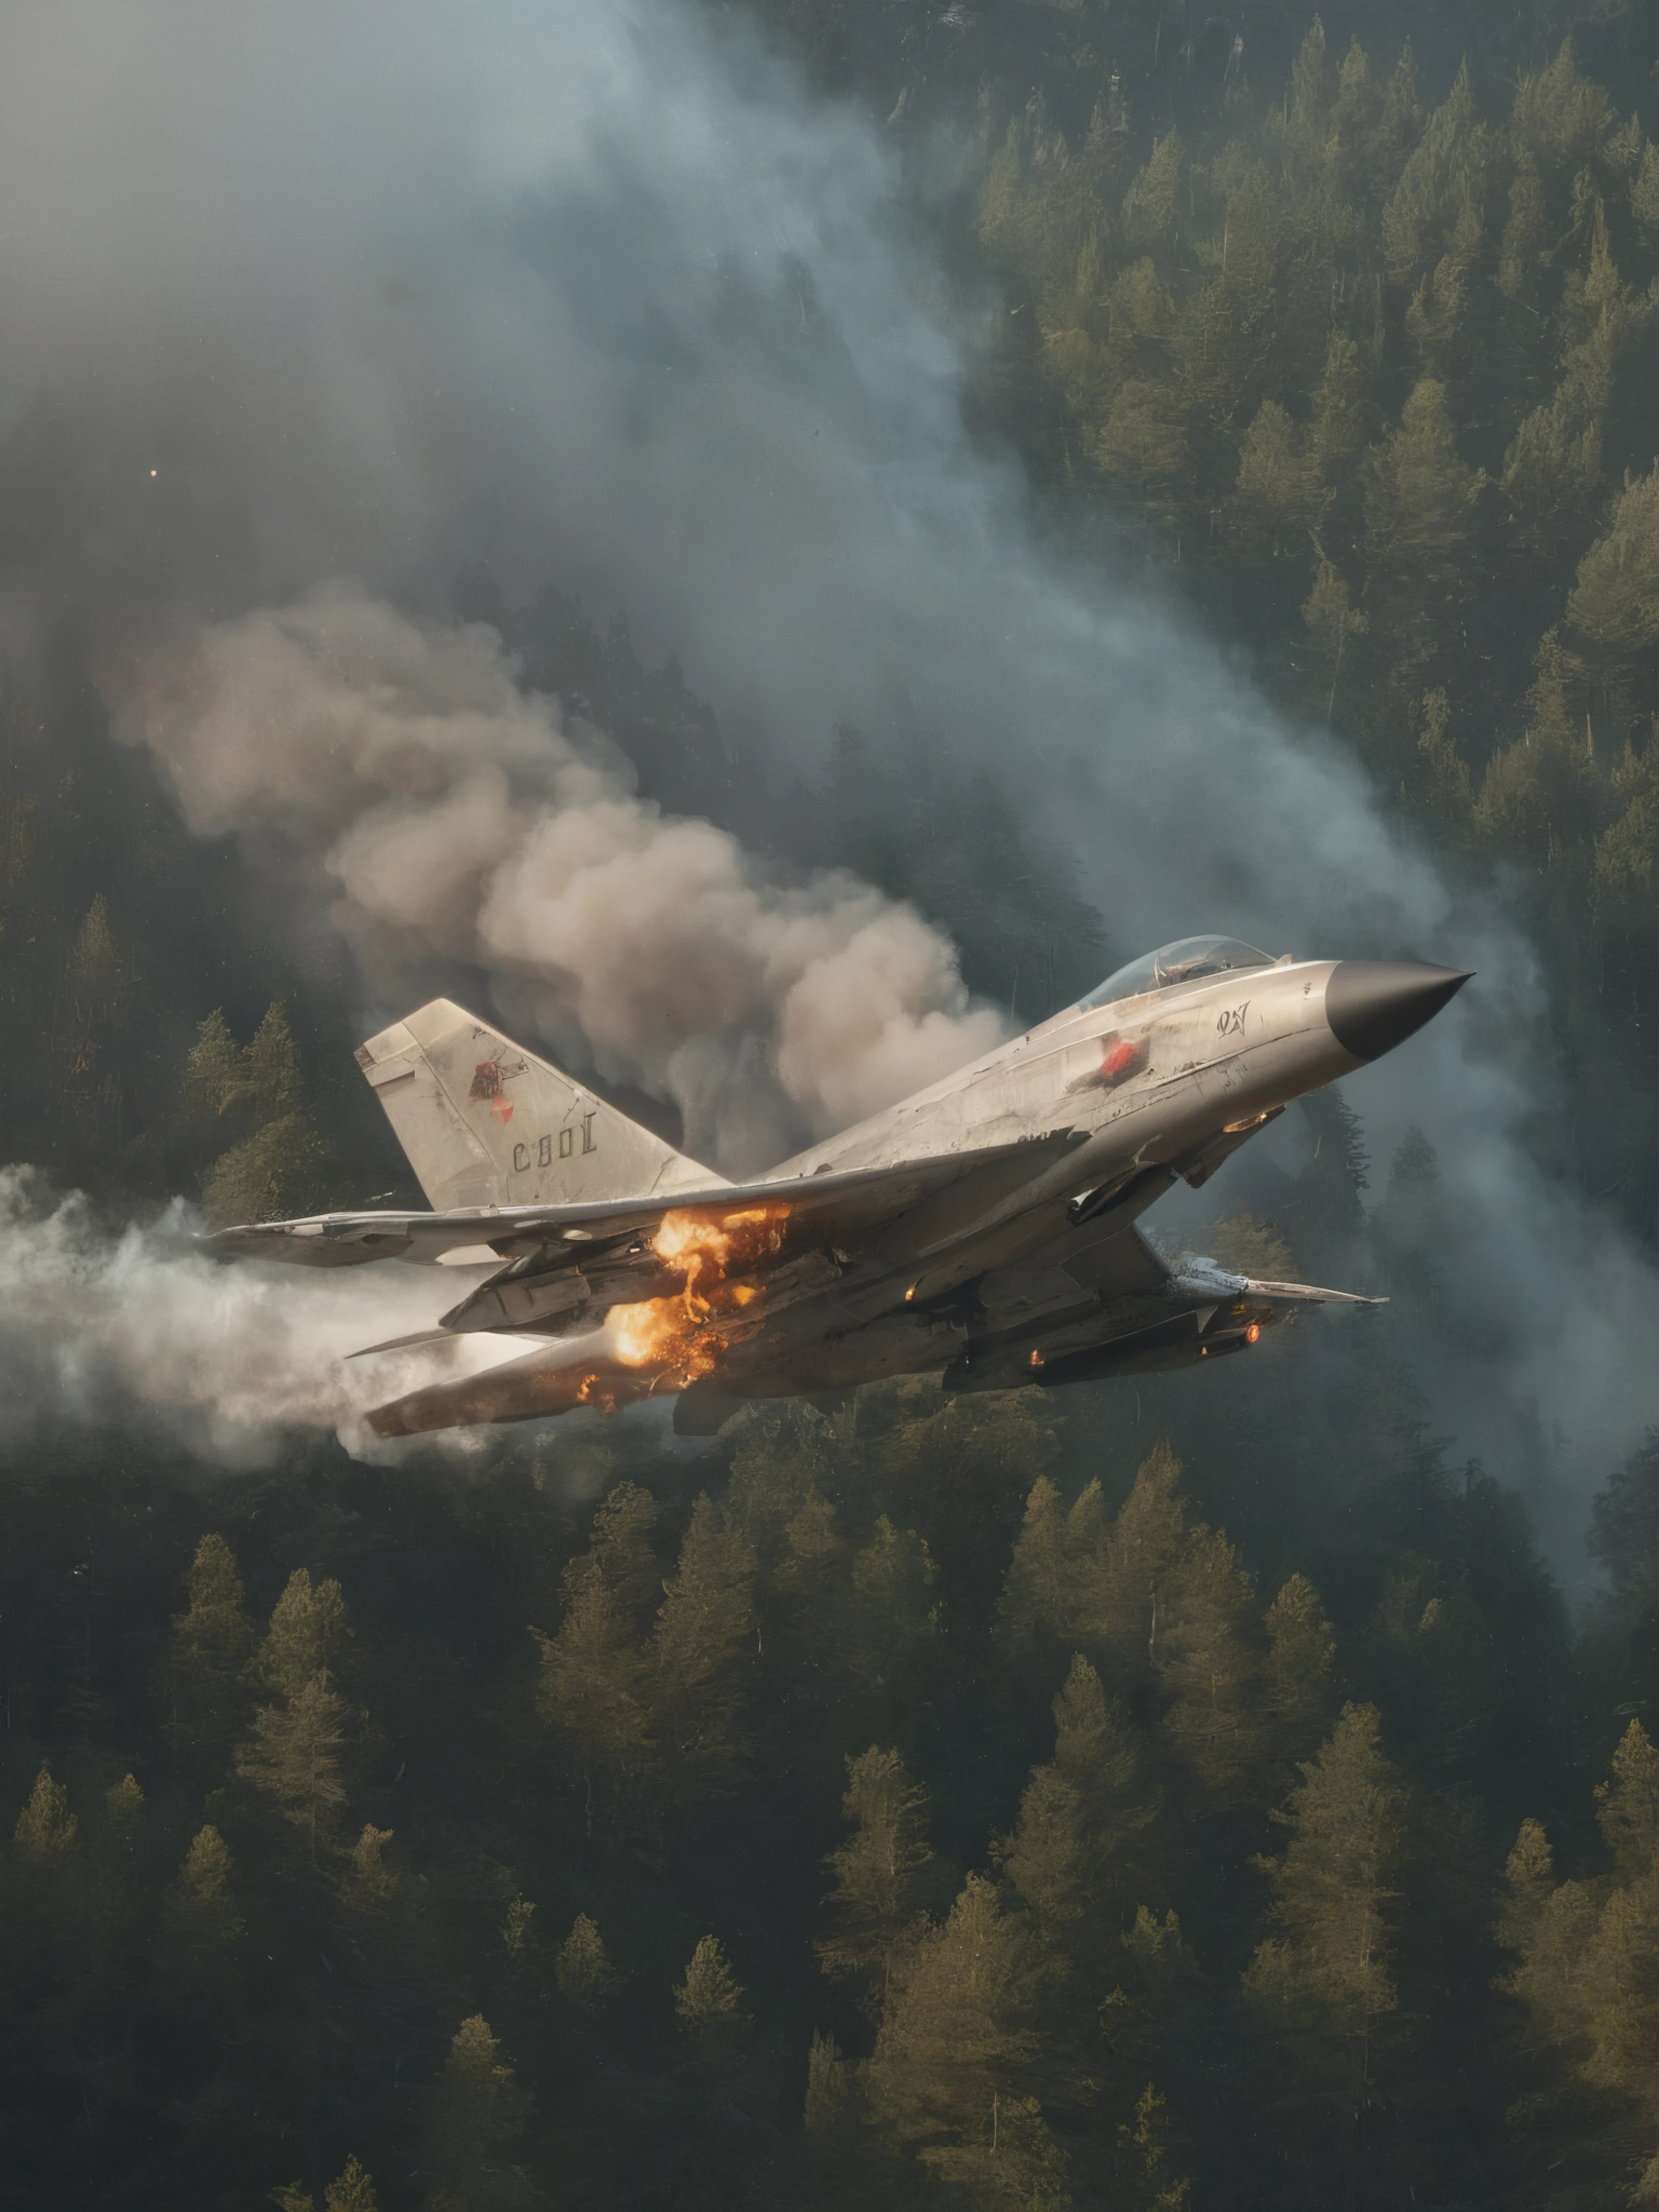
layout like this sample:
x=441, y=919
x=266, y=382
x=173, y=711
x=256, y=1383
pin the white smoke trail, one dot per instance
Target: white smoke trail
x=447, y=813
x=143, y=1326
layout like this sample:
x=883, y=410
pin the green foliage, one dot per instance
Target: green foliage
x=1627, y=1805
x=959, y=2043
x=880, y=1873
x=583, y=1968
x=477, y=2113
x=45, y=1829
x=211, y=1642
x=204, y=1900
x=1300, y=1661
x=280, y=1165
x=298, y=1757
x=1327, y=1976
x=368, y=1885
x=704, y=1636
x=708, y=2001
x=307, y=1635
x=354, y=2191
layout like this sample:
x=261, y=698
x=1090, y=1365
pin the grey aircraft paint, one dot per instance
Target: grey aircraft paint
x=985, y=1229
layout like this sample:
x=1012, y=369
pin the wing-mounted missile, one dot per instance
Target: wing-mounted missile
x=1199, y=1279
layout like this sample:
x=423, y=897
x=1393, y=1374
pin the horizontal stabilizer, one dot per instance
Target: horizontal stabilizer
x=404, y=1343
x=1309, y=1294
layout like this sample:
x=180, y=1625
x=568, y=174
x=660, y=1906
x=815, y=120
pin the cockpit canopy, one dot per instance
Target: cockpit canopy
x=1188, y=960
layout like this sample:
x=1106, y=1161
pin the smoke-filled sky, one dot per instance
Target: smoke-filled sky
x=319, y=301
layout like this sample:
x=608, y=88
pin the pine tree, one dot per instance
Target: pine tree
x=1327, y=1212
x=1331, y=622
x=1433, y=186
x=1206, y=1651
x=1049, y=1859
x=1450, y=787
x=709, y=2001
x=477, y=2112
x=1277, y=502
x=583, y=1969
x=1077, y=1851
x=1540, y=795
x=354, y=2191
x=1037, y=1594
x=1325, y=1977
x=207, y=1655
x=1146, y=2140
x=368, y=1885
x=1560, y=119
x=704, y=1635
x=519, y=1929
x=298, y=1756
x=46, y=1830
x=894, y=1613
x=280, y=1166
x=1627, y=851
x=271, y=1067
x=203, y=1900
x=124, y=1808
x=215, y=1078
x=308, y=1635
x=1529, y=1884
x=1624, y=1535
x=1146, y=1543
x=595, y=1680
x=98, y=984
x=1300, y=1657
x=1341, y=411
x=1152, y=204
x=881, y=1872
x=1627, y=1805
x=1413, y=1223
x=1421, y=510
x=1613, y=608
x=622, y=1547
x=960, y=2044
x=1251, y=1247
x=827, y=2086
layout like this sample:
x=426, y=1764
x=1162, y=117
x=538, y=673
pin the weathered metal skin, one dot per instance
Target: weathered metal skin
x=983, y=1230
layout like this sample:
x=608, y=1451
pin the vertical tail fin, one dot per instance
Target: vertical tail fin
x=486, y=1123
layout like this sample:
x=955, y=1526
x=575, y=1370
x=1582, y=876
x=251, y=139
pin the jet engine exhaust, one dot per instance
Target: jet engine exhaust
x=526, y=1389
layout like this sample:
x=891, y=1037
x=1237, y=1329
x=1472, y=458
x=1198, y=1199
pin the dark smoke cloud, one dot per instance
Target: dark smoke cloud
x=606, y=294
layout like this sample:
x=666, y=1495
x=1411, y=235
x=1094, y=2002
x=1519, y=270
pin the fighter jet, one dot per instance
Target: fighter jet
x=985, y=1229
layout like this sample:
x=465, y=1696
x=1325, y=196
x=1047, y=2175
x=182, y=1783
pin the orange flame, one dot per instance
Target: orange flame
x=661, y=1346
x=682, y=1335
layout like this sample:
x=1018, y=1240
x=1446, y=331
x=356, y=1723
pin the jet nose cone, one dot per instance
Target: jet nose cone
x=1374, y=1005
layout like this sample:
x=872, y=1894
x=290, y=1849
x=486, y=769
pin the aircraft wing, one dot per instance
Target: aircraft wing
x=834, y=1207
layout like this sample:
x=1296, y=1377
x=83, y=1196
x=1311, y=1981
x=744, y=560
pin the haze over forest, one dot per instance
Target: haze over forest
x=766, y=547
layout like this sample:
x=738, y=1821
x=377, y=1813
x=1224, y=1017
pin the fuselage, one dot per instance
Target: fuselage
x=1145, y=1078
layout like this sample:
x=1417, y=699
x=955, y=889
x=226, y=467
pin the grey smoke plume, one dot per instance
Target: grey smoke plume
x=447, y=813
x=613, y=297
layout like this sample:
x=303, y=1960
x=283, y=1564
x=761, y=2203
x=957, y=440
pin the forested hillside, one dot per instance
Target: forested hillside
x=1155, y=1796
x=931, y=1807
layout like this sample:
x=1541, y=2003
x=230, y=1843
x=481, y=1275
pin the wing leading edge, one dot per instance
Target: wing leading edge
x=855, y=1201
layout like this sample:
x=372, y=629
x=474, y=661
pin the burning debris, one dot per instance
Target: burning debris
x=653, y=1349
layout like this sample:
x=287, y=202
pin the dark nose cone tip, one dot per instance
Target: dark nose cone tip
x=1374, y=1005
